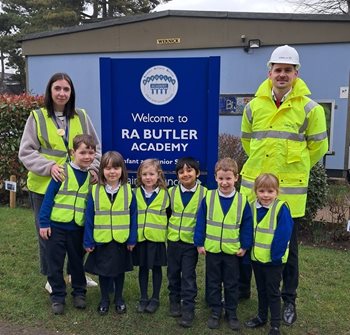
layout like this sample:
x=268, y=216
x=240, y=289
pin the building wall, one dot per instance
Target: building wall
x=325, y=68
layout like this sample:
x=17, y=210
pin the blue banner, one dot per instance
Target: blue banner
x=163, y=108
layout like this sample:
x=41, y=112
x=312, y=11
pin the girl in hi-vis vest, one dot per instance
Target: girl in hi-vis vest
x=111, y=230
x=150, y=252
x=273, y=227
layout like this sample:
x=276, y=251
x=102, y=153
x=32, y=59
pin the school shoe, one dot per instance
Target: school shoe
x=233, y=323
x=175, y=309
x=152, y=306
x=274, y=331
x=48, y=287
x=289, y=314
x=214, y=321
x=255, y=322
x=186, y=320
x=79, y=302
x=120, y=309
x=141, y=306
x=102, y=309
x=89, y=281
x=57, y=308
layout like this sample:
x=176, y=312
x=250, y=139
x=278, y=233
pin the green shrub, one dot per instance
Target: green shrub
x=316, y=194
x=231, y=146
x=14, y=111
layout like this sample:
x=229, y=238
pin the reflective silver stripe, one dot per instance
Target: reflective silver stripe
x=172, y=197
x=141, y=211
x=153, y=211
x=43, y=128
x=304, y=126
x=166, y=195
x=211, y=204
x=219, y=224
x=278, y=134
x=113, y=213
x=186, y=215
x=309, y=106
x=260, y=245
x=82, y=120
x=56, y=153
x=247, y=183
x=189, y=229
x=73, y=193
x=119, y=227
x=97, y=196
x=317, y=137
x=239, y=208
x=248, y=112
x=246, y=135
x=224, y=240
x=201, y=195
x=155, y=226
x=283, y=190
x=293, y=190
x=68, y=207
x=126, y=198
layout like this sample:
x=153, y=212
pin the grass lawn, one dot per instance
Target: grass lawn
x=323, y=303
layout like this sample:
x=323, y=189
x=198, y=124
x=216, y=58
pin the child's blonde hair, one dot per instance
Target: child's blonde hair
x=266, y=180
x=115, y=159
x=156, y=164
x=227, y=164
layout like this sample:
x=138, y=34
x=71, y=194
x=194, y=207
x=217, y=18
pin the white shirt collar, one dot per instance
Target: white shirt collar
x=111, y=190
x=283, y=98
x=227, y=195
x=75, y=166
x=259, y=205
x=193, y=189
x=149, y=194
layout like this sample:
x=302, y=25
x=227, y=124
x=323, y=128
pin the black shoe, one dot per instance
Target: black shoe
x=152, y=306
x=79, y=302
x=57, y=308
x=186, y=320
x=175, y=309
x=141, y=306
x=213, y=321
x=233, y=324
x=289, y=314
x=274, y=331
x=255, y=322
x=102, y=309
x=120, y=309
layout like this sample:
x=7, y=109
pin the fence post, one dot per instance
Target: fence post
x=12, y=193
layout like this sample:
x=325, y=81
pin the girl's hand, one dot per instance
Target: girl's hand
x=93, y=177
x=45, y=233
x=88, y=250
x=201, y=250
x=130, y=247
x=57, y=172
x=241, y=252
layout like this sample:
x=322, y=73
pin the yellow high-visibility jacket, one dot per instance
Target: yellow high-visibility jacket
x=286, y=141
x=52, y=144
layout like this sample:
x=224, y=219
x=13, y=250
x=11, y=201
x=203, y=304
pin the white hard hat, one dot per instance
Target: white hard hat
x=284, y=55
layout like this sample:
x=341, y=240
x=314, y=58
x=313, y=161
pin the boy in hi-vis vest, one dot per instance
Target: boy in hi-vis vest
x=62, y=218
x=273, y=227
x=224, y=232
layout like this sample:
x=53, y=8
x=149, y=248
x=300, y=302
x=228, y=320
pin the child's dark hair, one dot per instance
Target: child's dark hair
x=266, y=180
x=188, y=161
x=114, y=159
x=86, y=139
x=156, y=164
x=227, y=164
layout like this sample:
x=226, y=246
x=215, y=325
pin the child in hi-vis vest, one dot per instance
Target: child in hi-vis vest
x=224, y=232
x=61, y=224
x=111, y=230
x=273, y=227
x=150, y=252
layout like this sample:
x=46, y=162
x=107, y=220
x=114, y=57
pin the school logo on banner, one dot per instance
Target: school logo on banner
x=159, y=85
